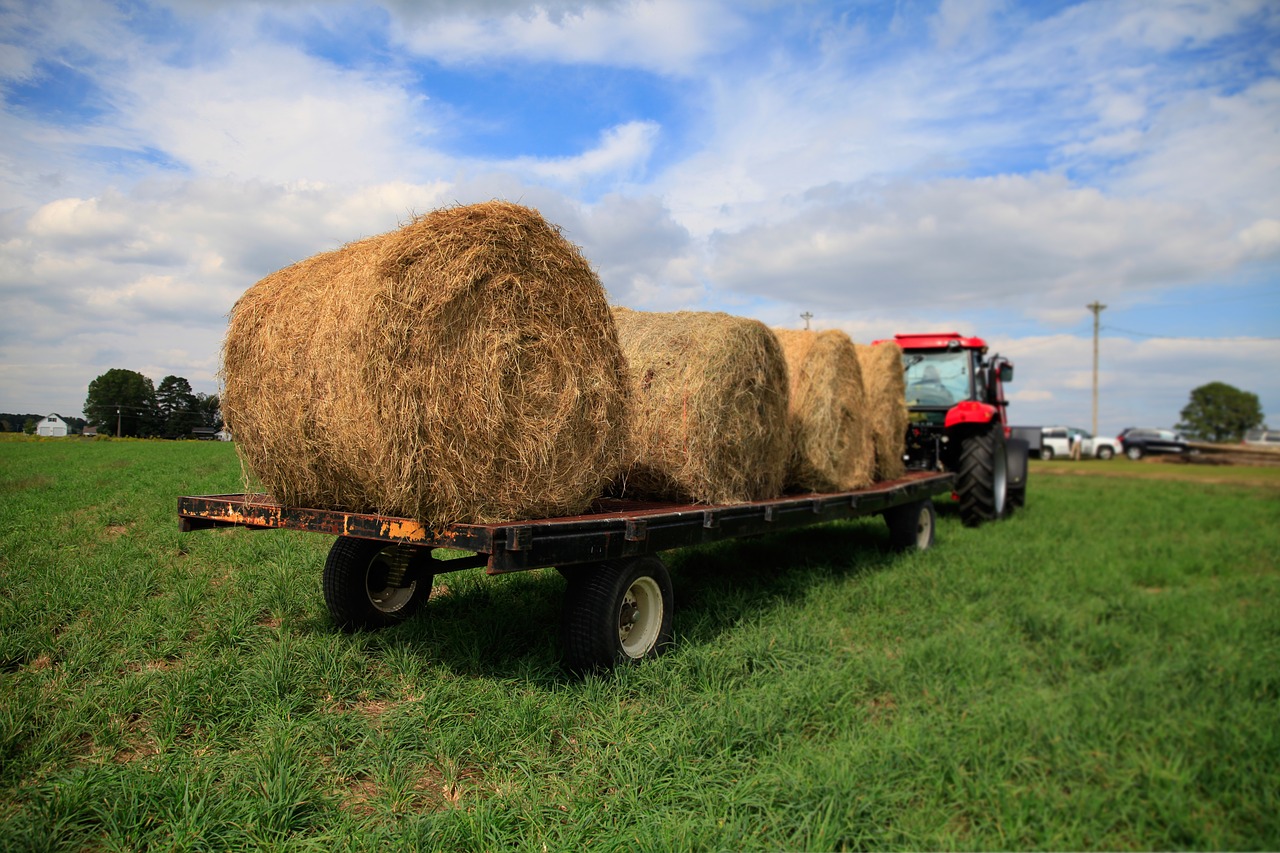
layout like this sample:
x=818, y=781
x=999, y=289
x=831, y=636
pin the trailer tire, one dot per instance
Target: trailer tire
x=356, y=587
x=616, y=612
x=911, y=525
x=982, y=481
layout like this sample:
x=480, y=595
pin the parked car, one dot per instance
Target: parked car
x=1056, y=441
x=1263, y=438
x=1138, y=442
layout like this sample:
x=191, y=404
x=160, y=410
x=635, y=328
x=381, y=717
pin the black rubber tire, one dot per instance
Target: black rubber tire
x=604, y=605
x=1134, y=453
x=355, y=587
x=1017, y=499
x=1104, y=453
x=911, y=525
x=1046, y=453
x=982, y=477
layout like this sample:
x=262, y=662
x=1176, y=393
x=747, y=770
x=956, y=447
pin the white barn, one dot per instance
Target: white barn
x=53, y=426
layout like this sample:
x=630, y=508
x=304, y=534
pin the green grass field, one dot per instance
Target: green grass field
x=1100, y=672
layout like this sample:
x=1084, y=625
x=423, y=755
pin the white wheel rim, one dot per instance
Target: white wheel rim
x=924, y=528
x=388, y=599
x=640, y=618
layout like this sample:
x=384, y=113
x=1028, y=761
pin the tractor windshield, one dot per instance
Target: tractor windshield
x=937, y=379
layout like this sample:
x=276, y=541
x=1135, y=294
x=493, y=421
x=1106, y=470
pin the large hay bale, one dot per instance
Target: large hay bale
x=462, y=368
x=708, y=398
x=886, y=405
x=831, y=444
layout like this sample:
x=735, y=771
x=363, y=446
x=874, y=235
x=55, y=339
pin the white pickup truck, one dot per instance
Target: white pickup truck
x=1056, y=441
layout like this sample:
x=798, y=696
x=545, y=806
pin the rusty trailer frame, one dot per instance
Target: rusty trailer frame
x=613, y=529
x=618, y=596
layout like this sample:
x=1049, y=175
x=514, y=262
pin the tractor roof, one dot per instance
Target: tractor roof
x=938, y=340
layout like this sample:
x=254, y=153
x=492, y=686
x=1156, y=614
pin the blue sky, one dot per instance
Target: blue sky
x=984, y=166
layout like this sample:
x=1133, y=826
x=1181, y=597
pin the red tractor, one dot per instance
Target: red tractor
x=955, y=397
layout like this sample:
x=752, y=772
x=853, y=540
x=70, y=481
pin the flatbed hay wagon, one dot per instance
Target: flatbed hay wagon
x=619, y=601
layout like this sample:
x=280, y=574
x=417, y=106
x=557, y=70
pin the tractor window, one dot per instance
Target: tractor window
x=937, y=378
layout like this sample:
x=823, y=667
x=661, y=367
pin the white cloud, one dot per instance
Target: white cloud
x=1031, y=243
x=1141, y=383
x=960, y=21
x=664, y=36
x=622, y=153
x=275, y=114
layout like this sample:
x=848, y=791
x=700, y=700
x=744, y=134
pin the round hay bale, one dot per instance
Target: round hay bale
x=831, y=445
x=708, y=397
x=886, y=392
x=463, y=368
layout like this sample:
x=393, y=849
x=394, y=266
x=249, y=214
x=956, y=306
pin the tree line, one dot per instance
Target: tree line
x=124, y=402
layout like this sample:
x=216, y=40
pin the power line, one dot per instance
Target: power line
x=1186, y=338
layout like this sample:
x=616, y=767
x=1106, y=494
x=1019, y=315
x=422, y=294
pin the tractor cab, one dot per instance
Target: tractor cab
x=950, y=379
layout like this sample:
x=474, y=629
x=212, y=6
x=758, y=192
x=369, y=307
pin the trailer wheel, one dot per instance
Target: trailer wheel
x=370, y=584
x=911, y=525
x=983, y=478
x=617, y=612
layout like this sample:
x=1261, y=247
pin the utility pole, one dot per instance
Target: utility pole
x=806, y=316
x=1096, y=307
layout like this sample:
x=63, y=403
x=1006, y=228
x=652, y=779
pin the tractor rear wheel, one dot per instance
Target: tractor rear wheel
x=982, y=479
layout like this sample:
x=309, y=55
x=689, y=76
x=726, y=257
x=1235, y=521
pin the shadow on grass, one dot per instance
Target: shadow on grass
x=509, y=626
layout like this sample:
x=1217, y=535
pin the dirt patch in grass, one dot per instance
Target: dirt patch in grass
x=357, y=793
x=38, y=481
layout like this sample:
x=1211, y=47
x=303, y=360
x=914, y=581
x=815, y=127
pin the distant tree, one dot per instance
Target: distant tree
x=210, y=408
x=177, y=407
x=30, y=426
x=123, y=397
x=1220, y=412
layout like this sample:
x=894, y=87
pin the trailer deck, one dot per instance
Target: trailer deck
x=619, y=596
x=611, y=530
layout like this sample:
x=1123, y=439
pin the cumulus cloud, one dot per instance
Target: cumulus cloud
x=664, y=36
x=622, y=152
x=1141, y=383
x=1029, y=242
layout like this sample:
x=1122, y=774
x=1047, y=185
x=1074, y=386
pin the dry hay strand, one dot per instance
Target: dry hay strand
x=462, y=368
x=831, y=445
x=708, y=397
x=886, y=405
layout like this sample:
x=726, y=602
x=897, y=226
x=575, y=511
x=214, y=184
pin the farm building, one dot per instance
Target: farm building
x=53, y=426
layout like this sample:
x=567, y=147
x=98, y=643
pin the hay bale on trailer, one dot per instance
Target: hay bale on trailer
x=886, y=404
x=464, y=368
x=831, y=444
x=708, y=407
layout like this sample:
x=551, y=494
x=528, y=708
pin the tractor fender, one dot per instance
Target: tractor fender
x=971, y=412
x=1018, y=450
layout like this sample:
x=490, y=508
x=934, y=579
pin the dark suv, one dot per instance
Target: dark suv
x=1137, y=443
